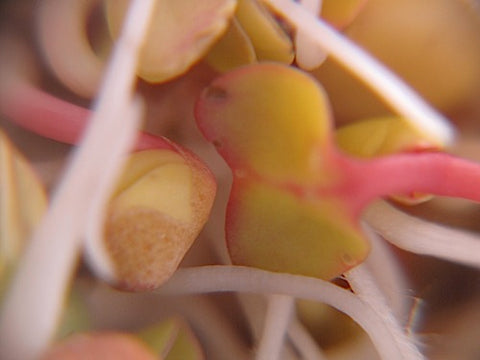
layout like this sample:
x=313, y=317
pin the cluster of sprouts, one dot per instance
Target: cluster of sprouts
x=154, y=152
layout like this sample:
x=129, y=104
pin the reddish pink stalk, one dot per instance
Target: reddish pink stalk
x=431, y=172
x=51, y=117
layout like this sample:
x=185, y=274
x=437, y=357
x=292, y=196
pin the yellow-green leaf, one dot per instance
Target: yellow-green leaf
x=277, y=230
x=381, y=136
x=385, y=136
x=270, y=119
x=270, y=41
x=181, y=32
x=232, y=50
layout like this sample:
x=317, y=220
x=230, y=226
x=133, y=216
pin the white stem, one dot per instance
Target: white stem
x=423, y=237
x=363, y=284
x=388, y=274
x=207, y=279
x=33, y=304
x=277, y=320
x=308, y=54
x=375, y=75
x=304, y=343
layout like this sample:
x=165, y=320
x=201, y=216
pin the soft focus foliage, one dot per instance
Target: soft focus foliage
x=180, y=34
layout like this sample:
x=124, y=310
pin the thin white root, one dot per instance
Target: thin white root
x=363, y=284
x=207, y=279
x=375, y=75
x=308, y=54
x=279, y=312
x=423, y=237
x=304, y=343
x=388, y=274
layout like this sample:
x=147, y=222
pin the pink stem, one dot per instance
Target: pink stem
x=432, y=173
x=51, y=117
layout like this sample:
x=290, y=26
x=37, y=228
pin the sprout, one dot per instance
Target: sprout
x=305, y=191
x=296, y=200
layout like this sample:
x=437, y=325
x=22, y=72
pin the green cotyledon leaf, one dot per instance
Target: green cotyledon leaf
x=271, y=124
x=268, y=119
x=278, y=230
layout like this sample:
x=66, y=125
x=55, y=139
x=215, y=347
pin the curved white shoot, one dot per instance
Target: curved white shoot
x=308, y=54
x=423, y=237
x=218, y=278
x=375, y=75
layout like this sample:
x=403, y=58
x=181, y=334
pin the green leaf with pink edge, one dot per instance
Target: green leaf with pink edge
x=269, y=120
x=272, y=126
x=280, y=230
x=180, y=34
x=173, y=339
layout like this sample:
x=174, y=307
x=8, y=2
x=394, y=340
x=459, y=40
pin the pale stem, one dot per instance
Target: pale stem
x=389, y=276
x=304, y=343
x=62, y=33
x=277, y=320
x=33, y=304
x=423, y=237
x=363, y=284
x=375, y=75
x=218, y=278
x=308, y=54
